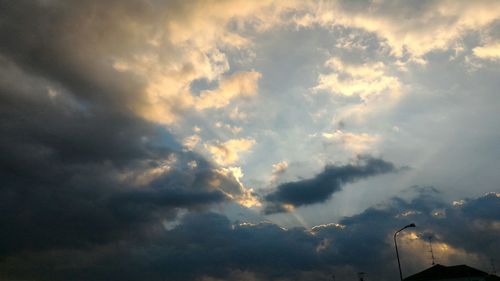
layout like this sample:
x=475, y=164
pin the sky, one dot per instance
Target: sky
x=247, y=140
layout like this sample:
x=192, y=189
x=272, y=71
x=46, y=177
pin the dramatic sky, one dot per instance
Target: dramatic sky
x=247, y=140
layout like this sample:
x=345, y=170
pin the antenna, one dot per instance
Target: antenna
x=333, y=277
x=431, y=251
x=493, y=270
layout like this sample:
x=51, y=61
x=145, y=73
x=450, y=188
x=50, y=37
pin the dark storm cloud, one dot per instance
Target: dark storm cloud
x=367, y=236
x=67, y=174
x=66, y=42
x=323, y=185
x=208, y=244
x=75, y=162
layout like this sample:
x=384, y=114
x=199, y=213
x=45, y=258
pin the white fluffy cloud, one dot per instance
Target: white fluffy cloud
x=415, y=28
x=368, y=80
x=376, y=88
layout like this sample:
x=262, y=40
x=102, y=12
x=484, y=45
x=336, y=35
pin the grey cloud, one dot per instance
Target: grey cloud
x=319, y=188
x=208, y=244
x=62, y=175
x=71, y=149
x=57, y=40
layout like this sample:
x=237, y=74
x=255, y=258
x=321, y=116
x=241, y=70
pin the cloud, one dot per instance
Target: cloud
x=80, y=166
x=233, y=129
x=241, y=84
x=367, y=81
x=95, y=186
x=191, y=141
x=278, y=169
x=227, y=153
x=188, y=48
x=319, y=188
x=490, y=51
x=133, y=203
x=371, y=87
x=356, y=143
x=230, y=183
x=207, y=246
x=163, y=48
x=84, y=162
x=375, y=226
x=409, y=29
x=75, y=176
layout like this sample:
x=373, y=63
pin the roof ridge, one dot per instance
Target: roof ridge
x=439, y=271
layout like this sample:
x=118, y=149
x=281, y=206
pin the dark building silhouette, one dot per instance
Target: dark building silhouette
x=452, y=273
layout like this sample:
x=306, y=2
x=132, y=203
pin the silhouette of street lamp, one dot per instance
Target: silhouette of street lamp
x=396, y=245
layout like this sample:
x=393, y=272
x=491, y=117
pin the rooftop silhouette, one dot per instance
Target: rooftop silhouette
x=442, y=272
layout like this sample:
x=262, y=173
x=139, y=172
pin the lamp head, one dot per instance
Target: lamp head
x=410, y=225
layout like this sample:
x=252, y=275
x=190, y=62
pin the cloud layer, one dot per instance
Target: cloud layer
x=79, y=166
x=139, y=138
x=208, y=245
x=323, y=185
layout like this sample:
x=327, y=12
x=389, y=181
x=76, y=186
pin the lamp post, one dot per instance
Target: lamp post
x=396, y=245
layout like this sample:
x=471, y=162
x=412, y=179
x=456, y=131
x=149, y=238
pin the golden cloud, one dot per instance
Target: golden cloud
x=184, y=45
x=278, y=169
x=227, y=153
x=368, y=80
x=415, y=30
x=356, y=143
x=240, y=84
x=244, y=196
x=191, y=141
x=490, y=51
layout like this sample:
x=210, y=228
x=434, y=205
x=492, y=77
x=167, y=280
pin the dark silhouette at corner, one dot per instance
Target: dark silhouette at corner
x=455, y=272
